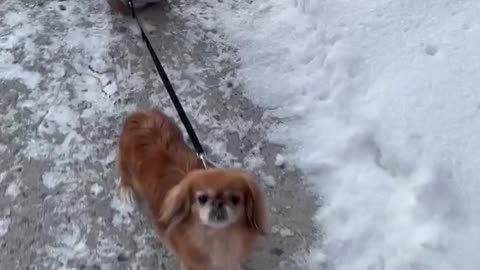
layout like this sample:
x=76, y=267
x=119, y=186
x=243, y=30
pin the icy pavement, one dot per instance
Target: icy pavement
x=69, y=73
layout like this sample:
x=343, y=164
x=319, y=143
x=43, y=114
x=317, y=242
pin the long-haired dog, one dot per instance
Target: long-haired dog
x=210, y=218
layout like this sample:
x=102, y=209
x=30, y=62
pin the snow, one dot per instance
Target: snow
x=59, y=118
x=123, y=211
x=5, y=220
x=96, y=189
x=52, y=179
x=4, y=224
x=8, y=67
x=13, y=190
x=72, y=242
x=279, y=160
x=286, y=232
x=3, y=175
x=269, y=181
x=282, y=231
x=380, y=104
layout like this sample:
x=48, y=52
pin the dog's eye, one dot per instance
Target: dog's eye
x=234, y=199
x=202, y=199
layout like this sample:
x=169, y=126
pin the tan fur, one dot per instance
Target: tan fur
x=156, y=163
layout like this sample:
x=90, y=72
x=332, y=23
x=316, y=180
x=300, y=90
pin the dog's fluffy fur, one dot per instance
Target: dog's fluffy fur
x=210, y=218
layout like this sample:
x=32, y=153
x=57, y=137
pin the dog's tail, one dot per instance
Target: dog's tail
x=152, y=127
x=152, y=133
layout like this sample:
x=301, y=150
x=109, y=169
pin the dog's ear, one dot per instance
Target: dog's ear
x=176, y=206
x=255, y=208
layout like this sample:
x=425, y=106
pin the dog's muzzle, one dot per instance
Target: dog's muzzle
x=218, y=213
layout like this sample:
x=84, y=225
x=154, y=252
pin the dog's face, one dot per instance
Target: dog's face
x=217, y=199
x=218, y=204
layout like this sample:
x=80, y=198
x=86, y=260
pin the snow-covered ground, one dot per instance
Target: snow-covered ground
x=380, y=103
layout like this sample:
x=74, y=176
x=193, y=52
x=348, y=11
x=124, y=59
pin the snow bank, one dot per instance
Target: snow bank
x=381, y=105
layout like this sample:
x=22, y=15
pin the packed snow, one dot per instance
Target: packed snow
x=380, y=104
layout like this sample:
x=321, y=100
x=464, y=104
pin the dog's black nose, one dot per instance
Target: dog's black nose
x=217, y=204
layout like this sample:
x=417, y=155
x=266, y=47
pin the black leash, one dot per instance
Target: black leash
x=171, y=92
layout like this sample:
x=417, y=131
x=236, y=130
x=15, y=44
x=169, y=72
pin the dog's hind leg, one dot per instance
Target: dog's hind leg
x=125, y=192
x=125, y=188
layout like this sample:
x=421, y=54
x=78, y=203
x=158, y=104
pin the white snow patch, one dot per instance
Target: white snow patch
x=95, y=90
x=279, y=160
x=13, y=19
x=59, y=118
x=96, y=189
x=110, y=89
x=254, y=160
x=4, y=225
x=3, y=175
x=11, y=71
x=20, y=33
x=13, y=189
x=72, y=148
x=123, y=210
x=54, y=178
x=3, y=148
x=110, y=158
x=99, y=65
x=380, y=103
x=282, y=231
x=269, y=181
x=286, y=232
x=51, y=179
x=71, y=242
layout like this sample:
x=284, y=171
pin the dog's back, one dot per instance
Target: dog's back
x=145, y=132
x=152, y=156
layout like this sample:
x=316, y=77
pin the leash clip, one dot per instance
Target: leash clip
x=203, y=158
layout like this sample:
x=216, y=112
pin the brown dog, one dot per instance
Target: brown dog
x=210, y=218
